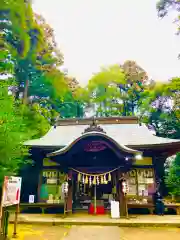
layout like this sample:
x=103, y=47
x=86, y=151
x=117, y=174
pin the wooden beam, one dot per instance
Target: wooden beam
x=98, y=120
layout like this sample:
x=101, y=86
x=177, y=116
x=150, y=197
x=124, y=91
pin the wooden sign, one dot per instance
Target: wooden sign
x=95, y=146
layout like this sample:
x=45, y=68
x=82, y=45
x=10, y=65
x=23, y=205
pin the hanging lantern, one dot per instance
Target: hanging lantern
x=105, y=181
x=109, y=177
x=65, y=187
x=94, y=180
x=79, y=177
x=97, y=180
x=86, y=180
x=90, y=181
x=83, y=180
x=102, y=179
x=125, y=188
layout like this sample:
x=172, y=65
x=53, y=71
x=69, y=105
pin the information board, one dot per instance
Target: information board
x=11, y=191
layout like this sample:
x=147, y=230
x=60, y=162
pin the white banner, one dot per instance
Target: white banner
x=115, y=212
x=12, y=191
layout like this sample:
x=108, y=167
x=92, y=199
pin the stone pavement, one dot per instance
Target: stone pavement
x=49, y=232
x=116, y=233
x=93, y=233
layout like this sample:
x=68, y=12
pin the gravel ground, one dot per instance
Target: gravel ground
x=42, y=232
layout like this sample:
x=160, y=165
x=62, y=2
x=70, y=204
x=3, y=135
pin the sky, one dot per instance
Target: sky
x=96, y=33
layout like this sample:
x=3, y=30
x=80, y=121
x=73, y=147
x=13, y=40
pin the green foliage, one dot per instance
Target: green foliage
x=160, y=108
x=32, y=60
x=173, y=177
x=36, y=119
x=12, y=135
x=117, y=90
x=132, y=91
x=72, y=101
x=30, y=42
x=103, y=91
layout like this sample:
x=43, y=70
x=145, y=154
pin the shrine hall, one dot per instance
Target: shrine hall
x=95, y=157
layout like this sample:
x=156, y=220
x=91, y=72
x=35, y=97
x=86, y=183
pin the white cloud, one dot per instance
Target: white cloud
x=93, y=33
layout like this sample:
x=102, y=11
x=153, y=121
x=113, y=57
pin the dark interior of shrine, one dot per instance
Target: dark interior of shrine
x=85, y=194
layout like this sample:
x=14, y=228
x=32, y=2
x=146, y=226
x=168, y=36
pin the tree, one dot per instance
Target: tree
x=49, y=38
x=12, y=135
x=34, y=52
x=102, y=91
x=136, y=83
x=117, y=90
x=163, y=8
x=36, y=119
x=173, y=176
x=35, y=57
x=160, y=109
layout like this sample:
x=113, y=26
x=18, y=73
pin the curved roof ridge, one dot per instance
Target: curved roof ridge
x=93, y=133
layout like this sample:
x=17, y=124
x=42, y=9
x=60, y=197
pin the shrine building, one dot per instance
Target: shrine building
x=95, y=155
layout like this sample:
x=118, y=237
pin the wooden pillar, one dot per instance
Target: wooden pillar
x=70, y=191
x=39, y=185
x=39, y=175
x=159, y=171
x=122, y=200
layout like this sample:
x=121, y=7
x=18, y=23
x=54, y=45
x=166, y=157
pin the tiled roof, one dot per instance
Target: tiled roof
x=124, y=134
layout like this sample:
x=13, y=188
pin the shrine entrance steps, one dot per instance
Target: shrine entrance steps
x=100, y=220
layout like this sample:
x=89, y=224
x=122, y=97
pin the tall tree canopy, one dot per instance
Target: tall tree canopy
x=126, y=90
x=117, y=90
x=160, y=108
x=13, y=132
x=102, y=91
x=30, y=68
x=136, y=83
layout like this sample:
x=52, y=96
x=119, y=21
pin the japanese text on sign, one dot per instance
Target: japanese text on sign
x=12, y=190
